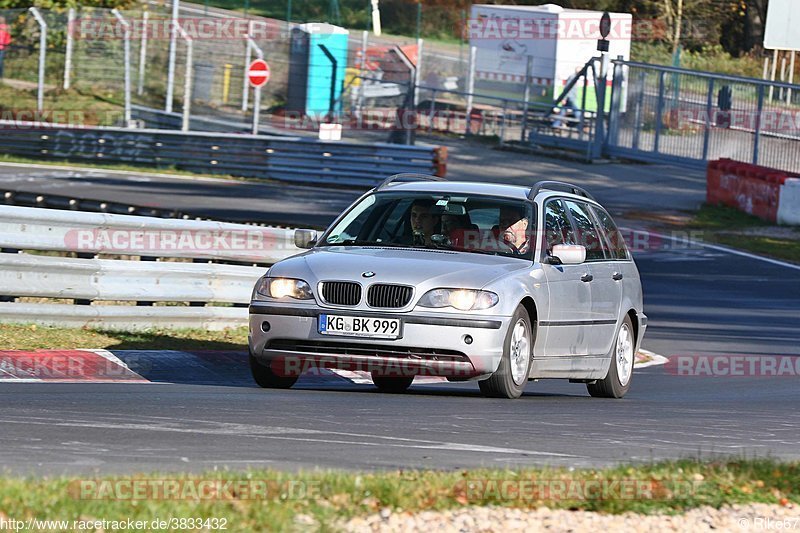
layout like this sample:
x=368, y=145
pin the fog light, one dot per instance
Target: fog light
x=468, y=339
x=265, y=327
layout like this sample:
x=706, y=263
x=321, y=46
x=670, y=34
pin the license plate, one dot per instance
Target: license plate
x=354, y=326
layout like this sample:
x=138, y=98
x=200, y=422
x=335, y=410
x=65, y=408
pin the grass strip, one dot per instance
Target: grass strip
x=283, y=501
x=35, y=337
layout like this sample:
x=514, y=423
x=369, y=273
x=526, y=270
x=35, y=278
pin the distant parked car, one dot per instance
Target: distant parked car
x=470, y=281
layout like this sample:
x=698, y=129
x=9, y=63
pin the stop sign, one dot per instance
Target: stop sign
x=258, y=73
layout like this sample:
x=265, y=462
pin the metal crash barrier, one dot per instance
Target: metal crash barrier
x=292, y=159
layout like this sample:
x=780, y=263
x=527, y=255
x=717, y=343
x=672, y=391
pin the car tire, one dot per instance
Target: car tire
x=267, y=379
x=392, y=384
x=620, y=372
x=511, y=376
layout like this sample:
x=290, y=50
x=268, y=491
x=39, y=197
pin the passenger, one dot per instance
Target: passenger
x=514, y=229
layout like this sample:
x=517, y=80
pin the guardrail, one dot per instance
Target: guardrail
x=110, y=279
x=291, y=159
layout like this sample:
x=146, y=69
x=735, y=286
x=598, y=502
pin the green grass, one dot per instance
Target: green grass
x=75, y=107
x=726, y=225
x=329, y=498
x=138, y=169
x=33, y=337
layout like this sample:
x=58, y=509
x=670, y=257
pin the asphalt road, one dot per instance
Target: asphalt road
x=700, y=302
x=624, y=187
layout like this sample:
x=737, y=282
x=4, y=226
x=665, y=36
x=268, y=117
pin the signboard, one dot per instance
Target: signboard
x=781, y=30
x=258, y=73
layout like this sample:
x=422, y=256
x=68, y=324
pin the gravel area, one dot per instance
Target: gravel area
x=751, y=517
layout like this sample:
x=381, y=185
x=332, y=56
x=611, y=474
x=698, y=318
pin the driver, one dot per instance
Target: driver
x=514, y=229
x=423, y=222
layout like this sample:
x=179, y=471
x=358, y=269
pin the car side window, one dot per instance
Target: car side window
x=586, y=232
x=558, y=229
x=616, y=243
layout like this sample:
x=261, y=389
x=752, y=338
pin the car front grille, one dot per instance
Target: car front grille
x=341, y=292
x=389, y=296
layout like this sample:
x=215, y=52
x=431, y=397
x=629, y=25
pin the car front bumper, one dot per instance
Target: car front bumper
x=286, y=337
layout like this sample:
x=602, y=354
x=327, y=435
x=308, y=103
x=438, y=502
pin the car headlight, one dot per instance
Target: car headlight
x=282, y=288
x=461, y=299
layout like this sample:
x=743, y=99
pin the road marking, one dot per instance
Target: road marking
x=719, y=248
x=266, y=432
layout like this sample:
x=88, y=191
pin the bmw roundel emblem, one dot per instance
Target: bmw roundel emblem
x=367, y=274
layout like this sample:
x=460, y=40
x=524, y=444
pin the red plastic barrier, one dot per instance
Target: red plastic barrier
x=749, y=188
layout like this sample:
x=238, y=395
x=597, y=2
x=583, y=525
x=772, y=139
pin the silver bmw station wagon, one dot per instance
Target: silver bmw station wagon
x=469, y=281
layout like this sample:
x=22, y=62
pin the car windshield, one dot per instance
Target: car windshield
x=449, y=221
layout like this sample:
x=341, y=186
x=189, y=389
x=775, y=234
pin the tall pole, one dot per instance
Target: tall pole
x=419, y=18
x=473, y=51
x=774, y=72
x=173, y=43
x=127, y=63
x=68, y=56
x=362, y=72
x=791, y=77
x=42, y=56
x=288, y=12
x=143, y=54
x=418, y=73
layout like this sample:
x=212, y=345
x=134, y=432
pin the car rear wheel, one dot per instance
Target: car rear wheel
x=392, y=384
x=512, y=375
x=266, y=378
x=620, y=372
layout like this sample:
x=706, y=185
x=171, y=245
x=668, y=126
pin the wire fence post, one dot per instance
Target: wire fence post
x=247, y=60
x=173, y=43
x=68, y=52
x=473, y=51
x=362, y=71
x=42, y=55
x=791, y=78
x=417, y=73
x=257, y=91
x=757, y=139
x=526, y=98
x=143, y=54
x=187, y=82
x=127, y=60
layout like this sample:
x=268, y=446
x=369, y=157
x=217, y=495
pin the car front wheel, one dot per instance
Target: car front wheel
x=392, y=384
x=620, y=372
x=512, y=375
x=266, y=378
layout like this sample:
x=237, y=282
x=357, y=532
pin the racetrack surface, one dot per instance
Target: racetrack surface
x=700, y=301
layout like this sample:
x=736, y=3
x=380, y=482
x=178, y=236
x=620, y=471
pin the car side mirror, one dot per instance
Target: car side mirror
x=305, y=238
x=569, y=254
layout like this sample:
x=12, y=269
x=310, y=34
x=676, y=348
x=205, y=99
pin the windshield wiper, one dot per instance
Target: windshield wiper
x=364, y=242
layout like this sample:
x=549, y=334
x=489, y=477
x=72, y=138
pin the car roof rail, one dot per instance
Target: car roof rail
x=560, y=186
x=406, y=177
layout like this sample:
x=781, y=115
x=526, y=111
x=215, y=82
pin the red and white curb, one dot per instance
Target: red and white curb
x=646, y=358
x=64, y=366
x=172, y=366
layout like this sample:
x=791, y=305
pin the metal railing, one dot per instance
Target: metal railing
x=257, y=156
x=104, y=287
x=674, y=115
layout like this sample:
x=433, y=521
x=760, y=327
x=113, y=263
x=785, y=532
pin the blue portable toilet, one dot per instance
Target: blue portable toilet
x=318, y=53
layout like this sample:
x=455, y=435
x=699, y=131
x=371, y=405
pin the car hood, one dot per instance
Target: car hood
x=424, y=269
